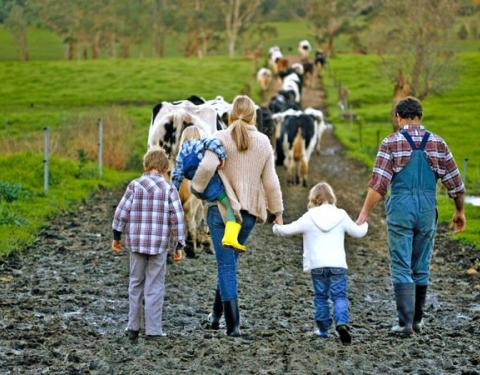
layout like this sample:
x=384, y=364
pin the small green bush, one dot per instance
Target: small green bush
x=11, y=192
x=9, y=217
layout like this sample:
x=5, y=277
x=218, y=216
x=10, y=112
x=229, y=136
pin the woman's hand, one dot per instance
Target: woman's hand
x=221, y=165
x=278, y=220
x=117, y=246
x=178, y=255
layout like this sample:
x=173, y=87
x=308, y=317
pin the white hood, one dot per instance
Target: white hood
x=326, y=216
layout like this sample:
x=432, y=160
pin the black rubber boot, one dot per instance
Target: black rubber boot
x=216, y=314
x=420, y=297
x=232, y=317
x=344, y=334
x=405, y=298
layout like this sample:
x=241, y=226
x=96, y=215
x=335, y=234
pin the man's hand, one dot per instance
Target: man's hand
x=371, y=200
x=117, y=246
x=221, y=165
x=278, y=220
x=458, y=222
x=362, y=218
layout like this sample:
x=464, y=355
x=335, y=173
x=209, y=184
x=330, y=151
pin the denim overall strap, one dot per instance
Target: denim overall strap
x=411, y=217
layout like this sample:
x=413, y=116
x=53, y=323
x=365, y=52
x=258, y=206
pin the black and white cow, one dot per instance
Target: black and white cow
x=170, y=119
x=320, y=59
x=274, y=55
x=292, y=83
x=304, y=48
x=297, y=139
x=283, y=101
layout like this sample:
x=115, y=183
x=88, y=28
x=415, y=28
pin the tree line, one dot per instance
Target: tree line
x=409, y=35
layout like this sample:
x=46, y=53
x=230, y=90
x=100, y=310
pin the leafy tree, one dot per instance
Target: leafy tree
x=238, y=14
x=16, y=22
x=462, y=32
x=330, y=18
x=410, y=37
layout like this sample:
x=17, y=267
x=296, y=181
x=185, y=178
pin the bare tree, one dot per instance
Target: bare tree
x=17, y=23
x=330, y=18
x=411, y=41
x=237, y=14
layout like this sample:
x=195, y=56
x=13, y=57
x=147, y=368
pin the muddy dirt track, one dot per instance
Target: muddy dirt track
x=63, y=307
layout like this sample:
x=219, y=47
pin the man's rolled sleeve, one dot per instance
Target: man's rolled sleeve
x=382, y=170
x=452, y=180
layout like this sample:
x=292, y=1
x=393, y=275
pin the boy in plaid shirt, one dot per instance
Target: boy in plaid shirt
x=151, y=215
x=192, y=149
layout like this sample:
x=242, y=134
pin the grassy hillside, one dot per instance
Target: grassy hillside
x=45, y=45
x=452, y=115
x=68, y=97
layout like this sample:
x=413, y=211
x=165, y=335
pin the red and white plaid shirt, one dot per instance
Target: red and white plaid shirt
x=151, y=213
x=395, y=152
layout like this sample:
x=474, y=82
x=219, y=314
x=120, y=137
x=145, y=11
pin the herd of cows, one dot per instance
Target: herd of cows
x=295, y=133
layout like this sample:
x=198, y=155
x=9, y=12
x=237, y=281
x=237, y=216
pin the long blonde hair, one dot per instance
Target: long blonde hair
x=190, y=132
x=243, y=113
x=321, y=193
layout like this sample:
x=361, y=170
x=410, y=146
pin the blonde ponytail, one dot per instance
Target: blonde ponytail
x=243, y=113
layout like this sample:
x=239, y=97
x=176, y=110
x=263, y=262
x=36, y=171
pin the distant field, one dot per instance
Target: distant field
x=454, y=116
x=45, y=45
x=64, y=95
x=40, y=94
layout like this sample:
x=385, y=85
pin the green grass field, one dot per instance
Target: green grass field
x=45, y=45
x=452, y=115
x=56, y=94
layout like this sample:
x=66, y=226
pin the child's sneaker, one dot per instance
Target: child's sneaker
x=131, y=334
x=322, y=334
x=156, y=337
x=344, y=333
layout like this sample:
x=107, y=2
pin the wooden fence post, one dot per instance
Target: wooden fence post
x=100, y=147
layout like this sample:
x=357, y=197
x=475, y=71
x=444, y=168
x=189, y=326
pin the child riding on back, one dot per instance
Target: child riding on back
x=192, y=150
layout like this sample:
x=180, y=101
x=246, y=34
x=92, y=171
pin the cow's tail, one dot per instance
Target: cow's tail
x=298, y=146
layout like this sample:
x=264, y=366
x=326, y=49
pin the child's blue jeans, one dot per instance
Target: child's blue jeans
x=330, y=282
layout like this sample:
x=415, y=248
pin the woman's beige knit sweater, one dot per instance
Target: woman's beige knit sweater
x=249, y=177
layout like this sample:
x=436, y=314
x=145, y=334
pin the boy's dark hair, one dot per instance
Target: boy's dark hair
x=409, y=108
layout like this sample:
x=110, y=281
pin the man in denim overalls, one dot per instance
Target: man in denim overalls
x=410, y=161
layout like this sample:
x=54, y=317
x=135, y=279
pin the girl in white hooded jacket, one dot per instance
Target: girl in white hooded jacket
x=323, y=227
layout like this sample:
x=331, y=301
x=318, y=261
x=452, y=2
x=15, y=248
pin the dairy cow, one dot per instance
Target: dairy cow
x=298, y=135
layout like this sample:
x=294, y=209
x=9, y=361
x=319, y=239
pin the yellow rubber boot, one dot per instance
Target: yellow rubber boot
x=230, y=238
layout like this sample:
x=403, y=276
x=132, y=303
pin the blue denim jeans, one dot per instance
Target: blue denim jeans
x=227, y=258
x=330, y=282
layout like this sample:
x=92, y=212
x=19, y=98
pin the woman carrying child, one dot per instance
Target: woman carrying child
x=252, y=186
x=192, y=149
x=323, y=227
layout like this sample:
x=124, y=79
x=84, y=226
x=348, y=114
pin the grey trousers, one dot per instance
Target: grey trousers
x=147, y=279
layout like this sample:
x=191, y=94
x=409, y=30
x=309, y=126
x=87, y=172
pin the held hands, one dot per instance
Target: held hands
x=458, y=222
x=221, y=165
x=362, y=218
x=117, y=246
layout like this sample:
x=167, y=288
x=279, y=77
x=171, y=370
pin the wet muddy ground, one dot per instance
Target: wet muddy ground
x=63, y=306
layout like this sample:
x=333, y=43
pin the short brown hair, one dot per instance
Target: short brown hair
x=321, y=193
x=156, y=158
